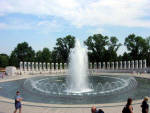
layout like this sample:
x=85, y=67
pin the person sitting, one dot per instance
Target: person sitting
x=145, y=106
x=93, y=109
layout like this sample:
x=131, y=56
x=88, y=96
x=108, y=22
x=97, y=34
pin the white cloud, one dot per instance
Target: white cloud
x=42, y=26
x=15, y=26
x=95, y=30
x=48, y=26
x=85, y=12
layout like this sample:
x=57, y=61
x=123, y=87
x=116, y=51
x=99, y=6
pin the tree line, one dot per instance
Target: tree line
x=100, y=49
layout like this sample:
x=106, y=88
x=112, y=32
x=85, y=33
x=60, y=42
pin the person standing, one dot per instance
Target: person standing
x=145, y=106
x=3, y=74
x=128, y=108
x=18, y=100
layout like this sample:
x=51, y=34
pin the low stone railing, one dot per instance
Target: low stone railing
x=33, y=72
x=117, y=65
x=91, y=71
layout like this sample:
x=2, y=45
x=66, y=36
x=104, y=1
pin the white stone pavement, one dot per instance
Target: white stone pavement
x=8, y=108
x=7, y=105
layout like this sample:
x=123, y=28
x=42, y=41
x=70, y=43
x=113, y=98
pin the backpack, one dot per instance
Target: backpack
x=124, y=110
x=100, y=111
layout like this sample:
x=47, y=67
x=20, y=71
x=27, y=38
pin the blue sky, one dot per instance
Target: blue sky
x=41, y=22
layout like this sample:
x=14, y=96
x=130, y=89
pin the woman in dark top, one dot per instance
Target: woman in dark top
x=128, y=108
x=145, y=106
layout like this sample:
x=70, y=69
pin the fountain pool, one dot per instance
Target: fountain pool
x=53, y=89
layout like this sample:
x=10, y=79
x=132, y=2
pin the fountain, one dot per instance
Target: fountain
x=77, y=82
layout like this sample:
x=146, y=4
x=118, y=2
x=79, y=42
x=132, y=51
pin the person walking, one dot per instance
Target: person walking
x=145, y=106
x=2, y=75
x=128, y=108
x=18, y=100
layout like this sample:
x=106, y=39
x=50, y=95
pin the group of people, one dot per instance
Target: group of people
x=94, y=110
x=128, y=107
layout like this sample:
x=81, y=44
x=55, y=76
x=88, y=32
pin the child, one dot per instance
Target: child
x=18, y=100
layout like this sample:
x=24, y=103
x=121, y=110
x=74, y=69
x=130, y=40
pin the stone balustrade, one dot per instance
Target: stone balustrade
x=43, y=67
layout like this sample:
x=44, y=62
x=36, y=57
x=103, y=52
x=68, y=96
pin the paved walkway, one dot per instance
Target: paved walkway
x=8, y=108
x=7, y=105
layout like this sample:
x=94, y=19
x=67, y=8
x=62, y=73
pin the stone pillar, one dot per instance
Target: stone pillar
x=56, y=66
x=32, y=66
x=144, y=64
x=52, y=66
x=40, y=66
x=90, y=65
x=132, y=64
x=36, y=66
x=29, y=66
x=120, y=67
x=48, y=66
x=61, y=66
x=65, y=66
x=108, y=65
x=21, y=66
x=128, y=64
x=44, y=66
x=99, y=65
x=125, y=65
x=25, y=66
x=95, y=65
x=140, y=64
x=104, y=66
x=136, y=64
x=112, y=65
x=116, y=63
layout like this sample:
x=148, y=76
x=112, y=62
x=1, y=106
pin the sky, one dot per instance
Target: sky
x=41, y=22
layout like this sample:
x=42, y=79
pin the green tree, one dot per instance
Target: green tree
x=148, y=43
x=148, y=52
x=63, y=46
x=126, y=56
x=137, y=46
x=119, y=58
x=96, y=45
x=23, y=52
x=113, y=46
x=39, y=56
x=4, y=60
x=44, y=55
x=55, y=56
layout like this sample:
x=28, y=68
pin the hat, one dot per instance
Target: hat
x=17, y=92
x=146, y=98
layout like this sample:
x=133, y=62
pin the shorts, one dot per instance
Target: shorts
x=18, y=105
